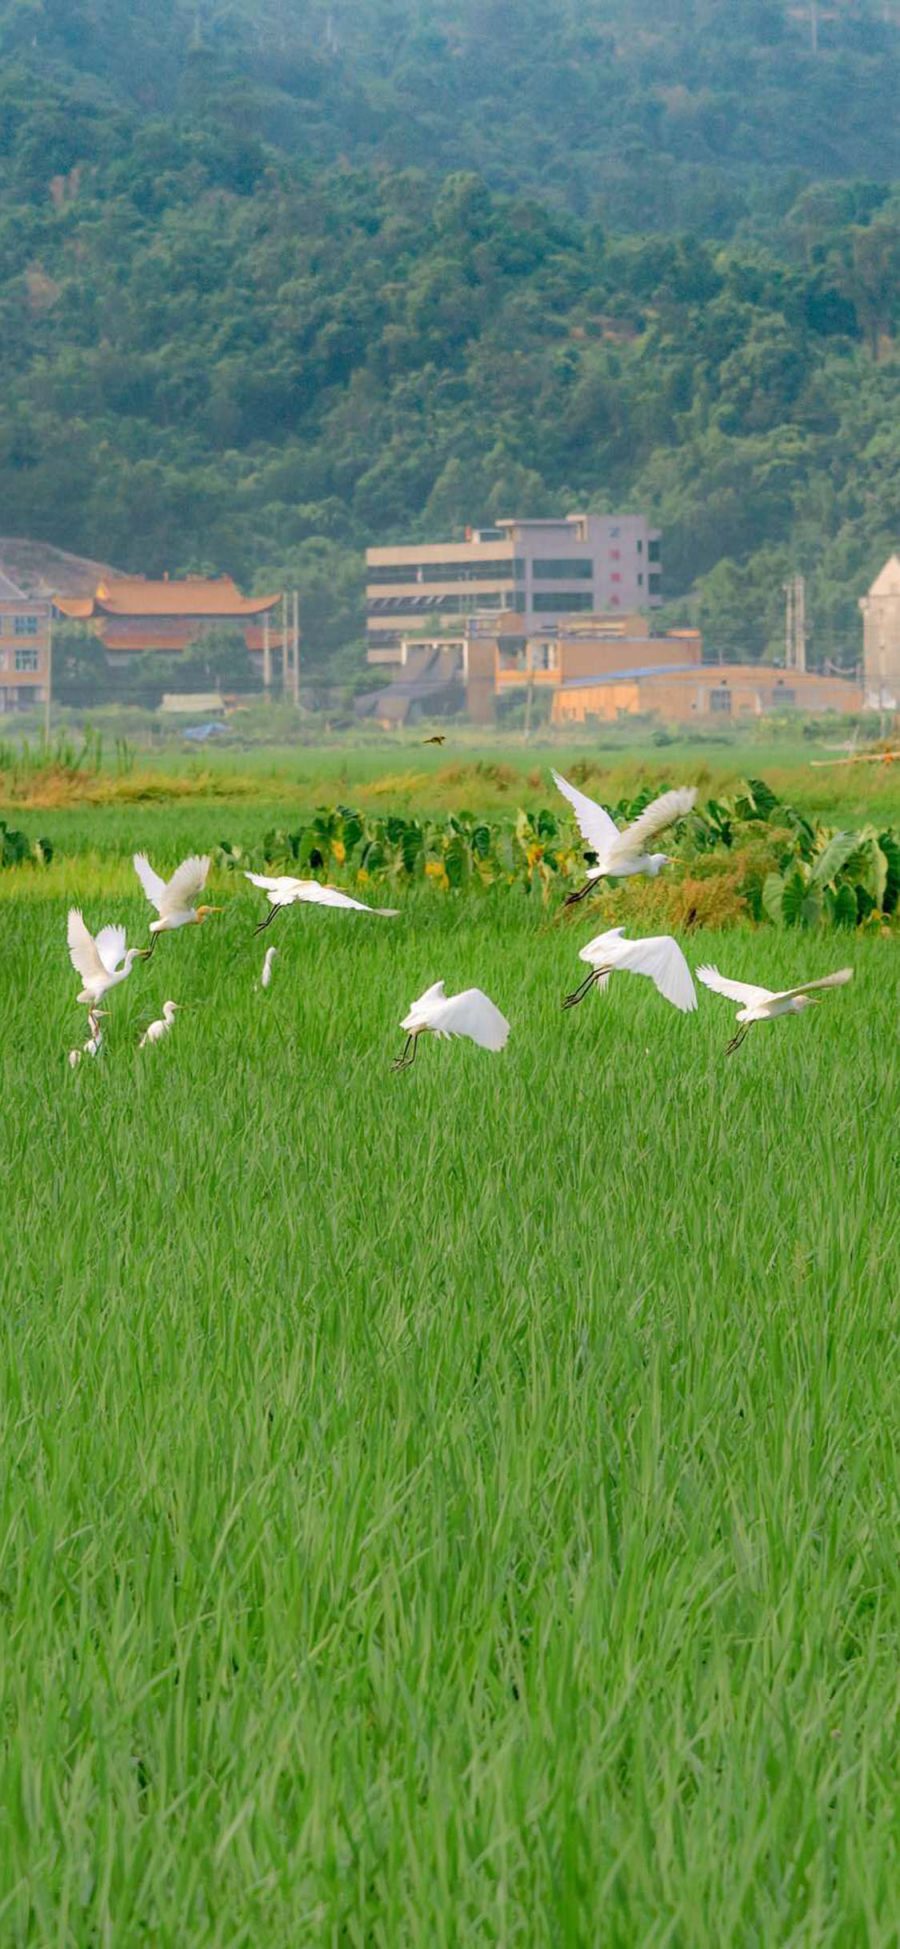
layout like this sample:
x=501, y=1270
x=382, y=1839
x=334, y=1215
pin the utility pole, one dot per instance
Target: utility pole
x=284, y=644
x=267, y=657
x=296, y=647
x=795, y=623
x=529, y=671
x=49, y=684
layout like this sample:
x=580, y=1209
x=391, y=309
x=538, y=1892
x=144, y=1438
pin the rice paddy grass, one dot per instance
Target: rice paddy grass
x=447, y=1508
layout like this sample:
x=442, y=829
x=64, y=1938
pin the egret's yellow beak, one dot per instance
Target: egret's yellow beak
x=203, y=911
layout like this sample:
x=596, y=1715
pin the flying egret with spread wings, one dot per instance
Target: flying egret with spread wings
x=763, y=1004
x=283, y=891
x=102, y=961
x=471, y=1013
x=658, y=956
x=174, y=899
x=620, y=854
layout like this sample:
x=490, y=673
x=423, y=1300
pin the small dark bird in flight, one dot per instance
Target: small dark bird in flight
x=435, y=740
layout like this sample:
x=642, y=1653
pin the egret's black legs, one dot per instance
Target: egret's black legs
x=148, y=951
x=406, y=1060
x=572, y=899
x=268, y=920
x=578, y=994
x=736, y=1040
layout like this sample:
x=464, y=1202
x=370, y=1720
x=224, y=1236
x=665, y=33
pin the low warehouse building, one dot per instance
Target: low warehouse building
x=682, y=694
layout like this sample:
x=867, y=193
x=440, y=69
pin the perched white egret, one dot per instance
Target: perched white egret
x=157, y=1030
x=658, y=956
x=102, y=961
x=622, y=853
x=283, y=891
x=763, y=1004
x=266, y=976
x=174, y=899
x=93, y=1045
x=472, y=1013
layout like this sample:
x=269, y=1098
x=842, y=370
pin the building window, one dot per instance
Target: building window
x=640, y=581
x=640, y=547
x=25, y=625
x=440, y=572
x=720, y=700
x=564, y=569
x=653, y=551
x=562, y=600
x=614, y=533
x=26, y=659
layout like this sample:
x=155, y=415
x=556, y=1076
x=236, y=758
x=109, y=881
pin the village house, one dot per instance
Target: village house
x=25, y=624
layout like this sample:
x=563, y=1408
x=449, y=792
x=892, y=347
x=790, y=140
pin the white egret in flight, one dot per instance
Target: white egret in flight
x=157, y=1030
x=94, y=1042
x=622, y=853
x=102, y=961
x=763, y=1004
x=283, y=891
x=266, y=976
x=472, y=1014
x=658, y=956
x=174, y=899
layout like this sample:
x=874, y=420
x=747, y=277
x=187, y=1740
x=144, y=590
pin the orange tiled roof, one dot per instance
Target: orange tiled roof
x=78, y=607
x=134, y=595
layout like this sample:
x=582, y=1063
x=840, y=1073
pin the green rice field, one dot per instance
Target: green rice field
x=456, y=1507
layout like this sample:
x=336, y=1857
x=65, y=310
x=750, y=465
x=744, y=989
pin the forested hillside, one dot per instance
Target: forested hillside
x=689, y=114
x=238, y=334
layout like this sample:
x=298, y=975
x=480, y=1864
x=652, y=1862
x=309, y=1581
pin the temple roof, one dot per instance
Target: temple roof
x=133, y=595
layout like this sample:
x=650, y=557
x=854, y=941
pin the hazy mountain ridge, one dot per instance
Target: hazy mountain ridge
x=580, y=103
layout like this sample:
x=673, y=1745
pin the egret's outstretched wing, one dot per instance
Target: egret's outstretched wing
x=280, y=891
x=110, y=945
x=595, y=825
x=332, y=897
x=82, y=948
x=472, y=1014
x=602, y=945
x=736, y=991
x=661, y=958
x=825, y=981
x=154, y=887
x=187, y=881
x=655, y=817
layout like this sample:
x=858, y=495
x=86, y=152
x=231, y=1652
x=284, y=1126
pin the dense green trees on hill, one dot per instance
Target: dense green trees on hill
x=689, y=114
x=223, y=347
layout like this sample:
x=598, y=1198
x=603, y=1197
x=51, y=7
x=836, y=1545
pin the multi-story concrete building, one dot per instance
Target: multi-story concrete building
x=544, y=571
x=24, y=648
x=881, y=639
